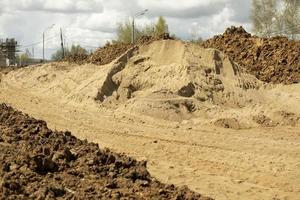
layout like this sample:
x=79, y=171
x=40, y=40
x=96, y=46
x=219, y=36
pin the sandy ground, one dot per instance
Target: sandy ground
x=259, y=163
x=252, y=162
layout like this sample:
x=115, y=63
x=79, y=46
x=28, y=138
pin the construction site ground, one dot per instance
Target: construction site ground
x=196, y=116
x=256, y=163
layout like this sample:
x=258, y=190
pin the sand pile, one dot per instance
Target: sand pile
x=39, y=163
x=174, y=80
x=178, y=81
x=274, y=60
x=170, y=80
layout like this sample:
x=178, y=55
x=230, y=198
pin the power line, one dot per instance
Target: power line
x=36, y=43
x=84, y=44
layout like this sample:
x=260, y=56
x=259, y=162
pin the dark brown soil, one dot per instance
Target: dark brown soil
x=38, y=163
x=111, y=51
x=274, y=60
x=108, y=53
x=77, y=58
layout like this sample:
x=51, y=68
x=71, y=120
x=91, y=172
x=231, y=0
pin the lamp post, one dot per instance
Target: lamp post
x=50, y=27
x=133, y=26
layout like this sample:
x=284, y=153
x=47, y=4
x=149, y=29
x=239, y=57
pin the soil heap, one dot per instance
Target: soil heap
x=274, y=60
x=111, y=51
x=37, y=163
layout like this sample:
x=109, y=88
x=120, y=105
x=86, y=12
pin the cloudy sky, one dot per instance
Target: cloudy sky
x=91, y=23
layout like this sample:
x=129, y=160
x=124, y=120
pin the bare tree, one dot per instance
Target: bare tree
x=291, y=18
x=276, y=17
x=263, y=16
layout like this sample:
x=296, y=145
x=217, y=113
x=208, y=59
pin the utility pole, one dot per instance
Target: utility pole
x=50, y=27
x=43, y=46
x=138, y=14
x=133, y=32
x=33, y=52
x=62, y=44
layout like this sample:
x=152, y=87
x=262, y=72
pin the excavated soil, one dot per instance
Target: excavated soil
x=111, y=51
x=38, y=163
x=108, y=53
x=273, y=60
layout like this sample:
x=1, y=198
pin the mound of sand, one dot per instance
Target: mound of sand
x=275, y=60
x=170, y=80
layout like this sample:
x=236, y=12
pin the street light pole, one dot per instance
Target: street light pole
x=43, y=46
x=44, y=40
x=133, y=25
x=133, y=31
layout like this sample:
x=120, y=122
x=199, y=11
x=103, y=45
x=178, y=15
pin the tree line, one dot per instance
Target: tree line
x=124, y=30
x=276, y=17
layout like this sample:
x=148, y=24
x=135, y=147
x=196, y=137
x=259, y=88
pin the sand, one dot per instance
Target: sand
x=195, y=115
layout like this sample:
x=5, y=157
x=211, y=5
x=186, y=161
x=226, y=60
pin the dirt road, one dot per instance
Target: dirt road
x=258, y=163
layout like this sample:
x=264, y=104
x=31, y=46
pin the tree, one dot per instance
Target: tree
x=74, y=50
x=274, y=17
x=161, y=26
x=148, y=30
x=291, y=18
x=263, y=15
x=58, y=54
x=78, y=50
x=124, y=30
x=24, y=58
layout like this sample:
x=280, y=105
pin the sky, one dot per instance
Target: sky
x=91, y=23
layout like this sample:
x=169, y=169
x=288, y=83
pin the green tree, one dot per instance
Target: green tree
x=124, y=32
x=77, y=49
x=24, y=58
x=148, y=30
x=161, y=26
x=74, y=50
x=58, y=55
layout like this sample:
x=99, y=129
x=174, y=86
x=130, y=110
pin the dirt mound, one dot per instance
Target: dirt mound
x=39, y=163
x=172, y=79
x=274, y=60
x=111, y=51
x=148, y=39
x=77, y=58
x=108, y=53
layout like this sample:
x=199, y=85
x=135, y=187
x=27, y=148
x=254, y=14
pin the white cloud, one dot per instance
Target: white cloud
x=93, y=22
x=183, y=9
x=61, y=6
